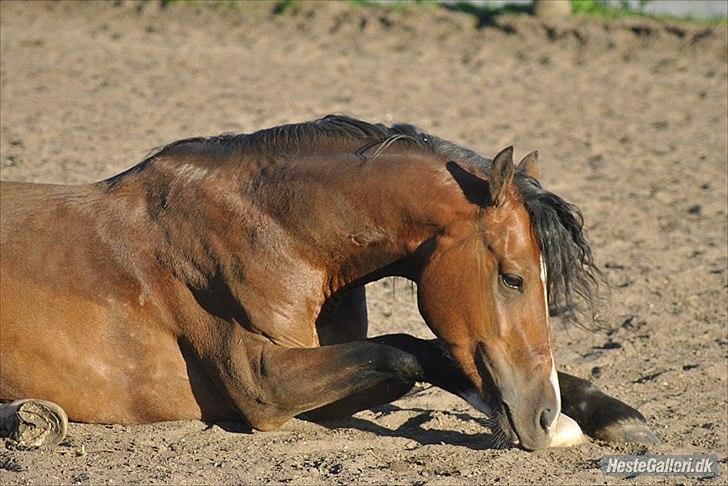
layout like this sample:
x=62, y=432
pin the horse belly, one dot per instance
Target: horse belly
x=102, y=364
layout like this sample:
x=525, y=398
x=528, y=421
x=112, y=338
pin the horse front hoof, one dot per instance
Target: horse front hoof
x=567, y=433
x=34, y=423
x=634, y=431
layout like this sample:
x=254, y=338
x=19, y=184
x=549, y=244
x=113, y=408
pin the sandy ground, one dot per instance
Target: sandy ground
x=630, y=121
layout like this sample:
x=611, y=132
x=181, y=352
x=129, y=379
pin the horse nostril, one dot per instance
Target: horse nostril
x=547, y=418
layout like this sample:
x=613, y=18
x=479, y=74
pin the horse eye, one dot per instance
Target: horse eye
x=512, y=281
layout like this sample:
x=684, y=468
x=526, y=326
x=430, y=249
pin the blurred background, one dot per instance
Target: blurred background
x=698, y=9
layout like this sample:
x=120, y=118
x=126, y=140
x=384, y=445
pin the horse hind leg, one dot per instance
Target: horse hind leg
x=33, y=423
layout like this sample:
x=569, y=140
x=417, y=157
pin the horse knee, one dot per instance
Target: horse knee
x=408, y=367
x=402, y=365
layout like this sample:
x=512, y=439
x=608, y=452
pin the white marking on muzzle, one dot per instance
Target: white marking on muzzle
x=554, y=378
x=564, y=430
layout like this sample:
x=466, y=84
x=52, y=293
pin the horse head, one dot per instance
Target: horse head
x=483, y=291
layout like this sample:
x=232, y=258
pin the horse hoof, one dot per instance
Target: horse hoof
x=634, y=431
x=34, y=423
x=567, y=433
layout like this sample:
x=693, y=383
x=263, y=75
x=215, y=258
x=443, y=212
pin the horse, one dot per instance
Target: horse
x=222, y=278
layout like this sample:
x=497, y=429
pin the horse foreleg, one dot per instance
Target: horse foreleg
x=33, y=423
x=602, y=416
x=439, y=369
x=271, y=384
x=598, y=414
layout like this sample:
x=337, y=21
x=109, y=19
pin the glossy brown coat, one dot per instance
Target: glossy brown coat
x=215, y=279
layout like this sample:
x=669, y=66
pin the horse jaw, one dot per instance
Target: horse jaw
x=471, y=396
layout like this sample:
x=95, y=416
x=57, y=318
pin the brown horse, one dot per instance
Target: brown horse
x=222, y=278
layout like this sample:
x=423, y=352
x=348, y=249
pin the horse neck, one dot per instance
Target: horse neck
x=361, y=221
x=348, y=221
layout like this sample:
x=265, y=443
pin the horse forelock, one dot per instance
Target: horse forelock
x=575, y=284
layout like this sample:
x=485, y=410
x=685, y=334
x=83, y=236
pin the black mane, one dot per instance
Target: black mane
x=573, y=281
x=331, y=131
x=573, y=278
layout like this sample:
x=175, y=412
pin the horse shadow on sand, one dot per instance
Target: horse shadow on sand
x=411, y=429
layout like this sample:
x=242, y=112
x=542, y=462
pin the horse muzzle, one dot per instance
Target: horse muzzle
x=526, y=405
x=529, y=417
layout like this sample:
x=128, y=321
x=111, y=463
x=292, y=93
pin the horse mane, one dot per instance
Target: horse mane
x=328, y=133
x=574, y=281
x=573, y=278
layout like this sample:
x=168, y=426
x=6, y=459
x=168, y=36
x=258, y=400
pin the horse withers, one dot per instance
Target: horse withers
x=222, y=278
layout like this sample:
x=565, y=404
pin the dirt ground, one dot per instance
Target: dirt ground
x=630, y=118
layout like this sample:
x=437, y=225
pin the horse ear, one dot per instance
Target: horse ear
x=475, y=189
x=529, y=165
x=501, y=175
